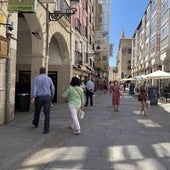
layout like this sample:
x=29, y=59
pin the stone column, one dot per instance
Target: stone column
x=37, y=61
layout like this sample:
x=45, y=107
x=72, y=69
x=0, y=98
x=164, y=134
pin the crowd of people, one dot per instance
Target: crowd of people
x=78, y=94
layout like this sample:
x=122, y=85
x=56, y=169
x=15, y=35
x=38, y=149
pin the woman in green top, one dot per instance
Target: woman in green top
x=75, y=96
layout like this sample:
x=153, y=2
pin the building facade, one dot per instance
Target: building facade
x=123, y=66
x=150, y=44
x=47, y=36
x=151, y=40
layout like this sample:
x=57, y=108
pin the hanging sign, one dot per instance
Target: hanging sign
x=101, y=47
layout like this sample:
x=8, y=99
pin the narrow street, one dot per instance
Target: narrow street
x=109, y=140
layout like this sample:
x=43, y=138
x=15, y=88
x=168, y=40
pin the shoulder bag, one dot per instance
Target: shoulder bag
x=80, y=112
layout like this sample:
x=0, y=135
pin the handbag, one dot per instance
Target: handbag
x=80, y=112
x=148, y=103
x=139, y=97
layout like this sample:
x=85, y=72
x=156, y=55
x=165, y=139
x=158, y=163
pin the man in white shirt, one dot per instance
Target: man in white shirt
x=89, y=92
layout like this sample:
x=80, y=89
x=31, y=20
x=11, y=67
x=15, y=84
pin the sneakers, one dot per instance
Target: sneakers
x=77, y=132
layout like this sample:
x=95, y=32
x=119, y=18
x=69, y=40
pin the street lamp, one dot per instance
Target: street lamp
x=68, y=11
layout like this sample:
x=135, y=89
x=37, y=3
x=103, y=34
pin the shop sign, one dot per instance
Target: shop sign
x=22, y=5
x=3, y=47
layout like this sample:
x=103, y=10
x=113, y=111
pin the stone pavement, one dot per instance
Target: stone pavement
x=109, y=140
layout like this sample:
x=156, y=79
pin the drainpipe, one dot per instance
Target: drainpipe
x=47, y=39
x=8, y=82
x=7, y=92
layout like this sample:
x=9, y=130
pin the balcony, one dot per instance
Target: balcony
x=78, y=58
x=78, y=25
x=62, y=7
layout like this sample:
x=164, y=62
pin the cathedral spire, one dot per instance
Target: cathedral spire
x=123, y=33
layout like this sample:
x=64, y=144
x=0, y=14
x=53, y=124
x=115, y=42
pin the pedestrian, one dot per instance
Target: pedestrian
x=110, y=87
x=105, y=85
x=116, y=91
x=124, y=86
x=42, y=93
x=143, y=96
x=89, y=92
x=75, y=96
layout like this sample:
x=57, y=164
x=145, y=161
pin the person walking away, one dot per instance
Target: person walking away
x=115, y=95
x=89, y=92
x=42, y=93
x=143, y=97
x=75, y=95
x=105, y=85
x=124, y=86
x=110, y=87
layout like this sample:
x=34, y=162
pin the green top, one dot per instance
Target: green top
x=75, y=95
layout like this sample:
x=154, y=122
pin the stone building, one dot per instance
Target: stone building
x=123, y=67
x=42, y=34
x=83, y=40
x=150, y=45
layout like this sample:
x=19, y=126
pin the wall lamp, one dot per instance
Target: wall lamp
x=9, y=26
x=56, y=15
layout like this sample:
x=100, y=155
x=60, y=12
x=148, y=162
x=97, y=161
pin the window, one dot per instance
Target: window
x=129, y=50
x=154, y=2
x=153, y=25
x=128, y=67
x=153, y=44
x=164, y=31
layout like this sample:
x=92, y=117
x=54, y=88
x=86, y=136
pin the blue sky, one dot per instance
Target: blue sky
x=125, y=14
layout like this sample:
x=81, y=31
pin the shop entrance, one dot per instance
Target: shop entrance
x=22, y=93
x=53, y=76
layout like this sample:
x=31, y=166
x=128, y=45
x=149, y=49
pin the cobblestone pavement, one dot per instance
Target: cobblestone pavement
x=109, y=140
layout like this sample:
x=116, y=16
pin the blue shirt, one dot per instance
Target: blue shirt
x=42, y=86
x=90, y=85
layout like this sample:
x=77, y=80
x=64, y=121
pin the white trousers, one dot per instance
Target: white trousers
x=73, y=111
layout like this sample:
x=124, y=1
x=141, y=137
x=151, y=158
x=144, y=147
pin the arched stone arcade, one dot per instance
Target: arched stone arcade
x=32, y=54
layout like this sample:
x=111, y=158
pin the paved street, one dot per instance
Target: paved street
x=109, y=140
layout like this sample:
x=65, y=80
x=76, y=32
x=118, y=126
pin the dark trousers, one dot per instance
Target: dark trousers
x=42, y=101
x=89, y=94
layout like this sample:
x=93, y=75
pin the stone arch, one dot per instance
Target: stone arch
x=59, y=65
x=37, y=33
x=30, y=53
x=58, y=50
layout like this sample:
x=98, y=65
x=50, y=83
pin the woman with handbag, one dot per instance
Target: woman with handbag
x=143, y=96
x=75, y=96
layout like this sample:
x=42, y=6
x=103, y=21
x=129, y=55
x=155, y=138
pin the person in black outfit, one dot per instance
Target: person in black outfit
x=89, y=92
